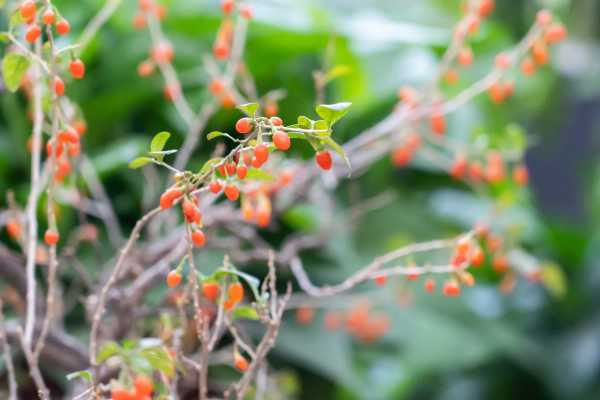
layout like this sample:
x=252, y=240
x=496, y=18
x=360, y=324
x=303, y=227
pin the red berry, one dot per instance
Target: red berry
x=33, y=33
x=143, y=385
x=242, y=171
x=402, y=156
x=486, y=7
x=198, y=238
x=324, y=160
x=235, y=292
x=210, y=290
x=244, y=126
x=173, y=279
x=281, y=140
x=246, y=12
x=276, y=121
x=168, y=198
x=556, y=33
x=305, y=315
x=429, y=285
x=459, y=167
x=240, y=363
x=163, y=53
x=438, y=123
x=232, y=193
x=451, y=289
x=528, y=67
x=27, y=10
x=465, y=56
x=227, y=6
x=521, y=175
x=451, y=76
x=221, y=50
x=261, y=153
x=189, y=210
x=477, y=258
x=77, y=68
x=145, y=68
x=216, y=87
x=59, y=86
x=63, y=27
x=214, y=187
x=380, y=280
x=500, y=263
x=122, y=394
x=503, y=61
x=13, y=229
x=544, y=17
x=48, y=17
x=68, y=136
x=230, y=168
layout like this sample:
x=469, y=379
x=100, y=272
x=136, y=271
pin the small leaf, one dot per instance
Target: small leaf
x=333, y=112
x=3, y=36
x=160, y=360
x=337, y=71
x=259, y=175
x=157, y=154
x=209, y=164
x=329, y=142
x=139, y=162
x=84, y=374
x=107, y=351
x=14, y=66
x=322, y=125
x=246, y=312
x=159, y=141
x=305, y=122
x=554, y=280
x=216, y=134
x=249, y=108
x=15, y=20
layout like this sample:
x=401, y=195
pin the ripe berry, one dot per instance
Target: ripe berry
x=242, y=171
x=503, y=61
x=57, y=152
x=27, y=10
x=33, y=33
x=235, y=292
x=451, y=289
x=59, y=86
x=48, y=17
x=281, y=140
x=540, y=53
x=121, y=394
x=246, y=12
x=198, y=238
x=232, y=193
x=216, y=87
x=244, y=126
x=500, y=263
x=459, y=167
x=305, y=315
x=477, y=258
x=228, y=101
x=214, y=187
x=528, y=67
x=333, y=321
x=221, y=50
x=276, y=121
x=143, y=386
x=451, y=77
x=63, y=27
x=230, y=168
x=380, y=280
x=145, y=68
x=77, y=68
x=13, y=228
x=465, y=56
x=521, y=175
x=261, y=153
x=468, y=279
x=139, y=21
x=544, y=17
x=210, y=290
x=240, y=363
x=171, y=92
x=173, y=279
x=486, y=7
x=68, y=136
x=324, y=160
x=227, y=6
x=271, y=109
x=402, y=156
x=429, y=285
x=168, y=198
x=189, y=210
x=463, y=246
x=556, y=33
x=163, y=53
x=438, y=123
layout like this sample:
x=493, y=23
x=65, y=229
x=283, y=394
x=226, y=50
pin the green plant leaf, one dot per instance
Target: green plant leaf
x=337, y=71
x=139, y=162
x=329, y=142
x=14, y=66
x=554, y=280
x=84, y=374
x=246, y=312
x=160, y=360
x=249, y=109
x=216, y=134
x=159, y=141
x=15, y=20
x=259, y=175
x=333, y=112
x=3, y=37
x=108, y=350
x=305, y=122
x=209, y=164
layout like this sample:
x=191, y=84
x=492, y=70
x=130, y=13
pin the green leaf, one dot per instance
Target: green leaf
x=329, y=142
x=107, y=351
x=259, y=175
x=84, y=374
x=554, y=280
x=159, y=141
x=3, y=36
x=14, y=66
x=337, y=71
x=246, y=312
x=333, y=112
x=216, y=134
x=209, y=164
x=160, y=360
x=15, y=20
x=249, y=109
x=139, y=162
x=305, y=122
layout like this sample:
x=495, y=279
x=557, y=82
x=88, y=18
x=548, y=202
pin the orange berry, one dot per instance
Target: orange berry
x=465, y=56
x=305, y=315
x=228, y=101
x=380, y=280
x=271, y=110
x=168, y=198
x=333, y=321
x=540, y=53
x=429, y=285
x=214, y=187
x=437, y=122
x=232, y=193
x=27, y=9
x=13, y=228
x=77, y=68
x=242, y=171
x=544, y=17
x=246, y=12
x=216, y=87
x=486, y=7
x=261, y=153
x=521, y=175
x=143, y=385
x=145, y=68
x=240, y=363
x=281, y=140
x=221, y=50
x=503, y=61
x=139, y=21
x=324, y=160
x=59, y=86
x=476, y=172
x=500, y=263
x=227, y=6
x=528, y=67
x=244, y=126
x=121, y=394
x=235, y=292
x=556, y=33
x=401, y=156
x=68, y=136
x=210, y=290
x=173, y=279
x=198, y=238
x=33, y=33
x=451, y=77
x=451, y=289
x=459, y=167
x=63, y=27
x=477, y=258
x=48, y=17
